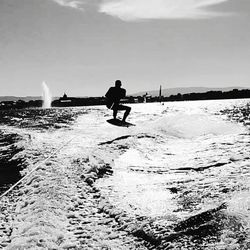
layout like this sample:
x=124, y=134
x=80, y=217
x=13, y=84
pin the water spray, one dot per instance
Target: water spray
x=47, y=97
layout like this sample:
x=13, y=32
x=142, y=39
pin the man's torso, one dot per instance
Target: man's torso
x=114, y=95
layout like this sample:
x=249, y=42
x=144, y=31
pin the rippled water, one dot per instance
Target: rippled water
x=183, y=170
x=19, y=129
x=188, y=159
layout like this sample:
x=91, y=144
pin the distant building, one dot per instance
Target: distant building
x=146, y=97
x=65, y=99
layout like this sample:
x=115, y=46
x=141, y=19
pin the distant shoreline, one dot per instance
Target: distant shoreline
x=66, y=101
x=166, y=92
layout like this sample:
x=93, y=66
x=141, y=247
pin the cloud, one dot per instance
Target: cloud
x=130, y=10
x=76, y=4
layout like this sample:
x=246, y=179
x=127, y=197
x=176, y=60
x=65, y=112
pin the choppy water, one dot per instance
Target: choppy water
x=182, y=172
x=19, y=129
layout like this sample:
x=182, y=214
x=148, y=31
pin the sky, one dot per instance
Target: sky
x=82, y=46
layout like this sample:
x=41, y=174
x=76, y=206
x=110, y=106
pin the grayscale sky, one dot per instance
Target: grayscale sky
x=82, y=46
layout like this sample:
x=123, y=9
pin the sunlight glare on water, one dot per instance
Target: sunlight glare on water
x=186, y=166
x=180, y=161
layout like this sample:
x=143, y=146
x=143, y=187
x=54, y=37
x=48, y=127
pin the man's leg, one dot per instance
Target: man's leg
x=115, y=113
x=127, y=111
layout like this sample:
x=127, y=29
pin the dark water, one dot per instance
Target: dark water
x=23, y=122
x=40, y=119
x=9, y=164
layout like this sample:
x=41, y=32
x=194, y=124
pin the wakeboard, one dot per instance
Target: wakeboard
x=120, y=123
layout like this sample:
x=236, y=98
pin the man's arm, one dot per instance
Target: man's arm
x=124, y=93
x=108, y=94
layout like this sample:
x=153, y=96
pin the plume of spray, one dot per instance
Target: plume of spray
x=47, y=98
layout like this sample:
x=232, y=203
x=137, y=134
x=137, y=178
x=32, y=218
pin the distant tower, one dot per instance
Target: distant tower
x=160, y=94
x=145, y=97
x=65, y=96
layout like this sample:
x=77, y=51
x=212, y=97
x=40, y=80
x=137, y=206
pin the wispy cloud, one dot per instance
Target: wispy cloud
x=130, y=10
x=76, y=4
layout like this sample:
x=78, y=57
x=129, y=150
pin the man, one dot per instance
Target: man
x=113, y=96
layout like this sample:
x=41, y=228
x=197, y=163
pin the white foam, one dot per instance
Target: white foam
x=185, y=125
x=239, y=206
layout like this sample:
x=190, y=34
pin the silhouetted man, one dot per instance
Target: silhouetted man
x=114, y=95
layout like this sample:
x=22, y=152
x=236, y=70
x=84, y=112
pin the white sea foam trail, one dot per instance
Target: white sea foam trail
x=184, y=125
x=47, y=97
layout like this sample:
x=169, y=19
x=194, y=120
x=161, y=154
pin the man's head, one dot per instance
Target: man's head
x=118, y=83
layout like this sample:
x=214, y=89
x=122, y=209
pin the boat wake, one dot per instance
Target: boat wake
x=179, y=179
